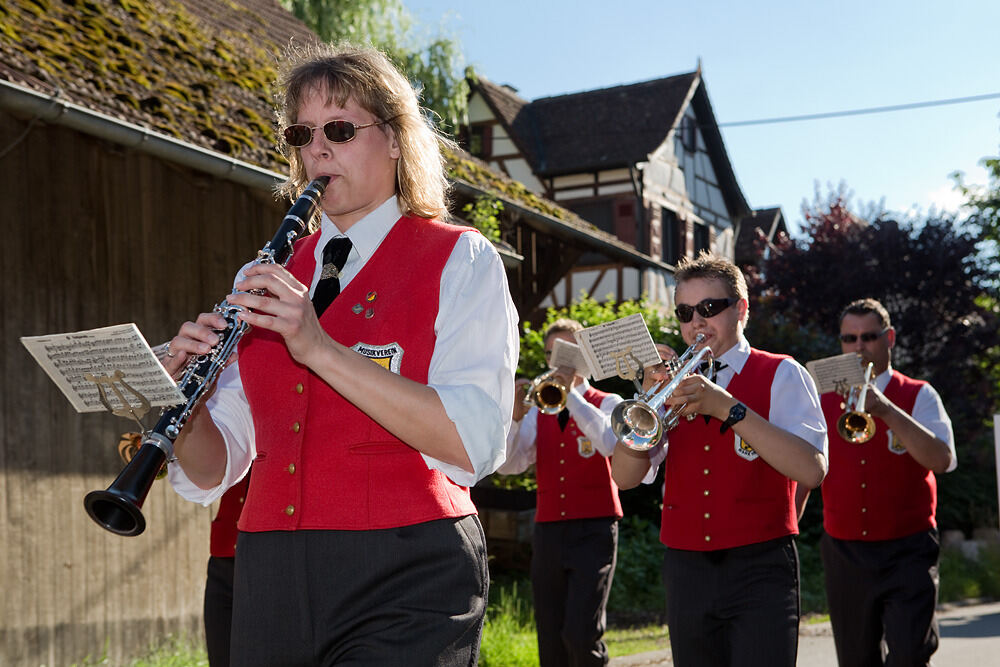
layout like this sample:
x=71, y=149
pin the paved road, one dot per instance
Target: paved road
x=970, y=635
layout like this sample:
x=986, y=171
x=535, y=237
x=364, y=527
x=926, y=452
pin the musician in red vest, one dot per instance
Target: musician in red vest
x=880, y=549
x=730, y=570
x=374, y=388
x=575, y=543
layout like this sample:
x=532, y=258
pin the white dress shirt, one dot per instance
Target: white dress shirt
x=928, y=411
x=471, y=369
x=795, y=405
x=592, y=420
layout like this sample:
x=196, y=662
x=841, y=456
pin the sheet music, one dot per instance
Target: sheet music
x=68, y=357
x=565, y=353
x=609, y=346
x=838, y=373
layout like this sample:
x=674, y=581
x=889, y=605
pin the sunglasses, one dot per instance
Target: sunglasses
x=337, y=131
x=706, y=308
x=866, y=337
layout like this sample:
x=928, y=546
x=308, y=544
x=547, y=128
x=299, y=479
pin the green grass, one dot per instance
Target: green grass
x=172, y=651
x=641, y=639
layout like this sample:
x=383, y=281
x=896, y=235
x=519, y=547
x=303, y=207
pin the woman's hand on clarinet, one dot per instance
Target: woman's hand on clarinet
x=192, y=339
x=284, y=307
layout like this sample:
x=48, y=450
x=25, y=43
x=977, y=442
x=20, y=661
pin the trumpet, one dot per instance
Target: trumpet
x=856, y=425
x=547, y=393
x=635, y=422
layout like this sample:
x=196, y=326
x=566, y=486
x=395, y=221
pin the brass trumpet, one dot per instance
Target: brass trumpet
x=547, y=393
x=856, y=425
x=635, y=422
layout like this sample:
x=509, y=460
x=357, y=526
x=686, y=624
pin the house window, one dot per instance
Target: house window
x=689, y=134
x=700, y=238
x=479, y=141
x=670, y=236
x=598, y=212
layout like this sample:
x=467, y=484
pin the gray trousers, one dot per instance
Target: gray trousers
x=414, y=595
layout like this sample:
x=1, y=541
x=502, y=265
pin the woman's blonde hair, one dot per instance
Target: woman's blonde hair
x=366, y=76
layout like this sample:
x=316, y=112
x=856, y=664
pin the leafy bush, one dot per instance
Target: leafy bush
x=637, y=588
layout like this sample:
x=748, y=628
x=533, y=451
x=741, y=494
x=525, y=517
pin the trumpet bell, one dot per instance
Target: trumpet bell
x=636, y=425
x=547, y=394
x=856, y=427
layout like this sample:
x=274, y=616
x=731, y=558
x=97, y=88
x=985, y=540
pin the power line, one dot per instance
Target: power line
x=859, y=112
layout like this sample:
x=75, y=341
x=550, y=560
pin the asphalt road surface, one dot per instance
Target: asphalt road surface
x=970, y=635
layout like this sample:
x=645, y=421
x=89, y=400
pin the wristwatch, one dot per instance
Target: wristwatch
x=736, y=413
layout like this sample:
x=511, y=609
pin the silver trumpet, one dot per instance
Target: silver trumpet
x=635, y=422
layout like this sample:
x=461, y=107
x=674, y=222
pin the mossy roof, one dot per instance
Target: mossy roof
x=197, y=70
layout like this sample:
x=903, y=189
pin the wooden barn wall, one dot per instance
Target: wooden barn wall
x=95, y=235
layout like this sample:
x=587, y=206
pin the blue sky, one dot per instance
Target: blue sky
x=766, y=59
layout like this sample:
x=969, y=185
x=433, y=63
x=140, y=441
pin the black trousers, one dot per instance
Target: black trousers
x=414, y=595
x=218, y=609
x=883, y=590
x=734, y=607
x=572, y=566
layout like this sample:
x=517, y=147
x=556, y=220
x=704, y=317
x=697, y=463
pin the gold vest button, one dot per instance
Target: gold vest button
x=299, y=388
x=296, y=427
x=706, y=492
x=291, y=468
x=290, y=510
x=562, y=513
x=707, y=515
x=242, y=499
x=707, y=448
x=562, y=495
x=863, y=485
x=706, y=471
x=708, y=538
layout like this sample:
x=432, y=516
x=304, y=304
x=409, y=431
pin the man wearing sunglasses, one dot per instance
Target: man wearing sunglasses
x=880, y=548
x=374, y=388
x=731, y=568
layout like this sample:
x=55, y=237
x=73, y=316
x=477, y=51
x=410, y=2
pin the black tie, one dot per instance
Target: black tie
x=563, y=418
x=334, y=257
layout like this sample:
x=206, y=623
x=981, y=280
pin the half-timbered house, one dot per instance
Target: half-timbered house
x=645, y=162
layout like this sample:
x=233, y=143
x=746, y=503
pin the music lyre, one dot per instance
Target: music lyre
x=127, y=409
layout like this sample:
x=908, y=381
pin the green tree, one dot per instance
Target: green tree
x=433, y=63
x=984, y=204
x=931, y=276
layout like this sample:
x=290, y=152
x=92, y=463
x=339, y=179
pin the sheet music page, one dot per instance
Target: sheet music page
x=68, y=357
x=838, y=373
x=621, y=344
x=565, y=353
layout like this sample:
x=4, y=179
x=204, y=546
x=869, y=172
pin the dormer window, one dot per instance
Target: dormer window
x=477, y=139
x=689, y=134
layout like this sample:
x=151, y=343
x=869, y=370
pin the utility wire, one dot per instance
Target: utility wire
x=859, y=112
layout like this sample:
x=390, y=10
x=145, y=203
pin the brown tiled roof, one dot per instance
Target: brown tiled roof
x=596, y=129
x=197, y=70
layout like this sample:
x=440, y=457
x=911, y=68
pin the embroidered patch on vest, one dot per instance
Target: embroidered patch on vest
x=585, y=447
x=743, y=450
x=895, y=446
x=389, y=357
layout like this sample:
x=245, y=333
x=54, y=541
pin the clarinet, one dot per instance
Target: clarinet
x=118, y=509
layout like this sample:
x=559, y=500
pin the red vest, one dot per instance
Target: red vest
x=718, y=492
x=222, y=539
x=321, y=462
x=875, y=492
x=574, y=479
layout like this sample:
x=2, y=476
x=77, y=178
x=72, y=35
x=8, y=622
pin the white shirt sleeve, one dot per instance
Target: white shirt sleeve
x=229, y=409
x=521, y=449
x=928, y=411
x=795, y=404
x=475, y=356
x=594, y=421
